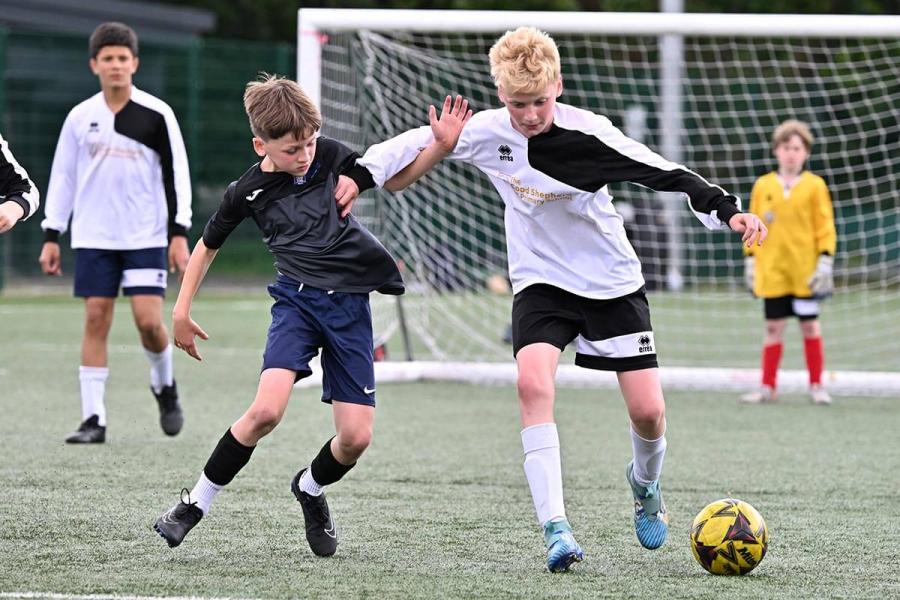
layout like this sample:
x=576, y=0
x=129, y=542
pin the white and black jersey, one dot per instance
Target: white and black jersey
x=15, y=185
x=123, y=177
x=561, y=226
x=302, y=226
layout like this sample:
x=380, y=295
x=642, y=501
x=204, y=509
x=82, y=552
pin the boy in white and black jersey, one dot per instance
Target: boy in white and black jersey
x=327, y=265
x=18, y=195
x=120, y=172
x=574, y=274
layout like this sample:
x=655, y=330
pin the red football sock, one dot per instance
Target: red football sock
x=815, y=359
x=771, y=357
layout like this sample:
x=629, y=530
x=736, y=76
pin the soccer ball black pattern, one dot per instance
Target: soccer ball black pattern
x=729, y=537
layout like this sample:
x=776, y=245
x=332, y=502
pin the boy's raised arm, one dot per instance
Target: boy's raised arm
x=401, y=160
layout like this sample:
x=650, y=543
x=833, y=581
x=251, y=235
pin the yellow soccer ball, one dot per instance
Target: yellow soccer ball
x=729, y=537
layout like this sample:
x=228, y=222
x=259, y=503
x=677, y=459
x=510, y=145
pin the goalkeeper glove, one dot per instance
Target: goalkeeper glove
x=821, y=284
x=749, y=267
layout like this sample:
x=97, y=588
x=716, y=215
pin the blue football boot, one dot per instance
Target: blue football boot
x=562, y=549
x=651, y=521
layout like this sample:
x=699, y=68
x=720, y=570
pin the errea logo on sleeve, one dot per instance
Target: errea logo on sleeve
x=505, y=153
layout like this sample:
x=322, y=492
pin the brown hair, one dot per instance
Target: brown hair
x=112, y=34
x=524, y=61
x=790, y=128
x=277, y=106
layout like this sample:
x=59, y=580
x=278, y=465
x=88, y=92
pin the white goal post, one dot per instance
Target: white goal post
x=711, y=101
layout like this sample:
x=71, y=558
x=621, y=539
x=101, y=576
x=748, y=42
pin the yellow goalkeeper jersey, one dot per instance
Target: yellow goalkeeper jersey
x=801, y=227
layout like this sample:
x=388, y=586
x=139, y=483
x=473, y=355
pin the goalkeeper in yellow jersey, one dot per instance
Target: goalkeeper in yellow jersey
x=792, y=272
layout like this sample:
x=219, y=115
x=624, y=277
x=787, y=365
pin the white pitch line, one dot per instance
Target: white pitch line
x=53, y=596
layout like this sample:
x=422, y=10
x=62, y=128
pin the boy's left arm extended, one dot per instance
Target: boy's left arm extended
x=600, y=154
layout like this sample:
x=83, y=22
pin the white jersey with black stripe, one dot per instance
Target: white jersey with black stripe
x=123, y=177
x=15, y=185
x=561, y=226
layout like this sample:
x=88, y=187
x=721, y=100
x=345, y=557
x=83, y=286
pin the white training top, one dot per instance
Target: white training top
x=122, y=177
x=561, y=226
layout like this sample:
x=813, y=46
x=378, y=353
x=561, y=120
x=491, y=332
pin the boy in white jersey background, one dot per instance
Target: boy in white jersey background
x=18, y=195
x=574, y=274
x=120, y=172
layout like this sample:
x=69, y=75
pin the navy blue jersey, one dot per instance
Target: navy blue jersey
x=302, y=227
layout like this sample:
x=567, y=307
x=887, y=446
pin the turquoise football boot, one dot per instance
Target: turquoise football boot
x=562, y=549
x=651, y=521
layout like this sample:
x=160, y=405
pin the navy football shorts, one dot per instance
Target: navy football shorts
x=103, y=272
x=305, y=319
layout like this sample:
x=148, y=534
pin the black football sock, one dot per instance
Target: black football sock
x=325, y=468
x=227, y=459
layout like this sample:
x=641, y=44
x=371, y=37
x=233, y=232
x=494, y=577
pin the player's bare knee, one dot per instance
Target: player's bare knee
x=263, y=419
x=150, y=328
x=648, y=417
x=353, y=442
x=775, y=330
x=534, y=389
x=810, y=328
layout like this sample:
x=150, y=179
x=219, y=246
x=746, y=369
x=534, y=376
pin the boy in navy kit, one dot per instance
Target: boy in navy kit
x=327, y=264
x=120, y=172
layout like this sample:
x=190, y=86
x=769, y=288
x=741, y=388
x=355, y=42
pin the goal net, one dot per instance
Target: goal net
x=703, y=90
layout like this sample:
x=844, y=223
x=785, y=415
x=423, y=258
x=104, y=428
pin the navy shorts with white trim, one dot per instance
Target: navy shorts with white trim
x=610, y=335
x=102, y=272
x=306, y=319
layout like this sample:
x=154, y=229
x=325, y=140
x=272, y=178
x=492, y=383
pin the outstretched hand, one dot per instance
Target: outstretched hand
x=752, y=228
x=448, y=127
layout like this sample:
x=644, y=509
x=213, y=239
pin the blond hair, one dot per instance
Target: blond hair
x=524, y=61
x=790, y=128
x=277, y=106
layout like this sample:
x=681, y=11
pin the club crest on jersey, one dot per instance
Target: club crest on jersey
x=505, y=152
x=302, y=179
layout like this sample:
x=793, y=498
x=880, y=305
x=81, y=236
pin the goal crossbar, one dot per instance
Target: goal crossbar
x=707, y=24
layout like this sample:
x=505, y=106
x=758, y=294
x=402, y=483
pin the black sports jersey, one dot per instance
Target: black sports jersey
x=302, y=227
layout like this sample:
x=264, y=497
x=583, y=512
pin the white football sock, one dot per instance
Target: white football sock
x=544, y=471
x=93, y=388
x=160, y=368
x=648, y=457
x=204, y=492
x=308, y=484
